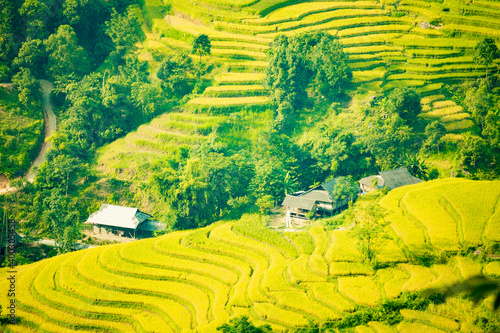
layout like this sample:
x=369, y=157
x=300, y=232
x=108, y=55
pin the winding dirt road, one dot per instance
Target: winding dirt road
x=50, y=125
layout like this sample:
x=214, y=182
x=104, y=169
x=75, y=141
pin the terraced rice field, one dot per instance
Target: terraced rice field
x=138, y=153
x=419, y=44
x=198, y=279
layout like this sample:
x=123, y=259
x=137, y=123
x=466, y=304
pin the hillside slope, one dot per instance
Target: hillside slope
x=196, y=280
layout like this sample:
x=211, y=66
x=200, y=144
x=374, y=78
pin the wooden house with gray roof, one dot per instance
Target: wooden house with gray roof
x=391, y=179
x=113, y=221
x=320, y=200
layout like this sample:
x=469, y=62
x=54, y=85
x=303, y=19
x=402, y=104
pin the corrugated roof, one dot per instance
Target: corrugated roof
x=329, y=186
x=118, y=216
x=367, y=181
x=298, y=202
x=317, y=195
x=397, y=178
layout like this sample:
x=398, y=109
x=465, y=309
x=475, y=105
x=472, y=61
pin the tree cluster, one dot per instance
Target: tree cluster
x=312, y=60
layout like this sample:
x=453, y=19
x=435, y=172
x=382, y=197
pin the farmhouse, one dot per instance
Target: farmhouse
x=112, y=221
x=391, y=179
x=320, y=200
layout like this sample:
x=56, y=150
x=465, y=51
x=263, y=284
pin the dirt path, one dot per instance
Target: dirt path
x=50, y=125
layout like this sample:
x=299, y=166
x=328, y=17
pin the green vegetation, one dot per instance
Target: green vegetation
x=239, y=273
x=215, y=110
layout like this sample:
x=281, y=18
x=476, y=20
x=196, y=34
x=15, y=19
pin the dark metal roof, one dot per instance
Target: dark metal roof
x=151, y=225
x=329, y=186
x=397, y=178
x=298, y=202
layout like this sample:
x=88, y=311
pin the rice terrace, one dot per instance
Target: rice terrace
x=250, y=166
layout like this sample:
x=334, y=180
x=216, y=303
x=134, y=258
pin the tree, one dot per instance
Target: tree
x=65, y=56
x=485, y=52
x=177, y=74
x=37, y=14
x=124, y=32
x=387, y=140
x=33, y=56
x=474, y=151
x=27, y=88
x=479, y=101
x=434, y=132
x=63, y=220
x=405, y=102
x=345, y=188
x=330, y=63
x=201, y=45
x=242, y=324
x=369, y=228
x=415, y=165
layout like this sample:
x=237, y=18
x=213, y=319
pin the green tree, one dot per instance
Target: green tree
x=415, y=165
x=474, y=152
x=485, y=52
x=405, y=102
x=369, y=228
x=177, y=74
x=65, y=56
x=242, y=324
x=201, y=45
x=345, y=188
x=33, y=56
x=37, y=15
x=478, y=101
x=63, y=220
x=124, y=32
x=434, y=132
x=28, y=90
x=330, y=64
x=387, y=140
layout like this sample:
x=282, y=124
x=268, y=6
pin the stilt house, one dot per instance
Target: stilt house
x=319, y=200
x=391, y=179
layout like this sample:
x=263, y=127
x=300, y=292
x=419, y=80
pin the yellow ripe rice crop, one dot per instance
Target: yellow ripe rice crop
x=407, y=327
x=339, y=268
x=492, y=269
x=426, y=210
x=302, y=240
x=298, y=271
x=432, y=319
x=380, y=327
x=459, y=125
x=446, y=276
x=475, y=203
x=229, y=101
x=363, y=329
x=420, y=277
x=342, y=248
x=326, y=292
x=361, y=289
x=300, y=301
x=268, y=311
x=430, y=99
x=393, y=280
x=468, y=268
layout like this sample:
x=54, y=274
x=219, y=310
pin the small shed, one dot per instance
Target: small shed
x=118, y=221
x=391, y=179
